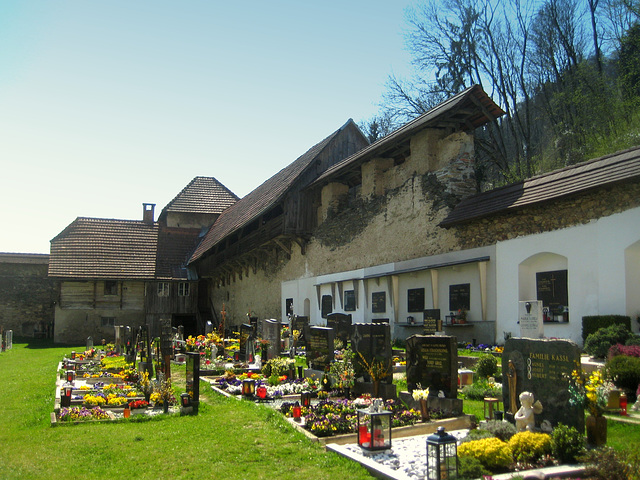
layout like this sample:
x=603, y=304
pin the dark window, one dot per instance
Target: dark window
x=163, y=289
x=110, y=287
x=289, y=306
x=107, y=321
x=183, y=289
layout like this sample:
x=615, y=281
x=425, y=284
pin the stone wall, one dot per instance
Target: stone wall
x=563, y=213
x=27, y=296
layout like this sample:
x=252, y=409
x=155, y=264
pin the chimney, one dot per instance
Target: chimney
x=147, y=212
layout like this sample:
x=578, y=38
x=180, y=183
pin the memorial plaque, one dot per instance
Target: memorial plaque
x=415, y=300
x=320, y=348
x=349, y=300
x=530, y=318
x=341, y=324
x=378, y=302
x=373, y=342
x=459, y=297
x=432, y=362
x=551, y=288
x=193, y=378
x=327, y=305
x=432, y=322
x=542, y=367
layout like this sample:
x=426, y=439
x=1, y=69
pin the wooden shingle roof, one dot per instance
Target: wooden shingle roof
x=467, y=110
x=261, y=199
x=202, y=195
x=622, y=166
x=105, y=248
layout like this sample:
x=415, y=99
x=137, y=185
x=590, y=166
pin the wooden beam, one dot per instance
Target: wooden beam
x=282, y=246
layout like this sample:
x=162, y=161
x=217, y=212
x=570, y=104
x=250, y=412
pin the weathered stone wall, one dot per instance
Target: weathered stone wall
x=27, y=297
x=563, y=213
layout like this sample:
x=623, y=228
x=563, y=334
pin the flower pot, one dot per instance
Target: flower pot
x=596, y=430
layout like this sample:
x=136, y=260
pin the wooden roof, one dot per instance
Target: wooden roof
x=467, y=110
x=202, y=195
x=601, y=172
x=262, y=199
x=105, y=248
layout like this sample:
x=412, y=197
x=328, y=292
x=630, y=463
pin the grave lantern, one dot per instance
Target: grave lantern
x=71, y=376
x=261, y=391
x=296, y=412
x=374, y=429
x=73, y=355
x=185, y=400
x=248, y=387
x=623, y=404
x=305, y=399
x=442, y=456
x=67, y=389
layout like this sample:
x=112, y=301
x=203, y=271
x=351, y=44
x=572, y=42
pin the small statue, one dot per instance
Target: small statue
x=525, y=416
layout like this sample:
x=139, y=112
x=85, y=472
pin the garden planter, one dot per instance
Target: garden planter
x=596, y=430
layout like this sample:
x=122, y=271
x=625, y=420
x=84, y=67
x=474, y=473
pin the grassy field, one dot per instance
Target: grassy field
x=229, y=439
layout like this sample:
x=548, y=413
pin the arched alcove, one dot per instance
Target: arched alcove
x=307, y=308
x=545, y=270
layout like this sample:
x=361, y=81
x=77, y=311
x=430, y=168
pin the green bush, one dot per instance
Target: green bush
x=470, y=468
x=625, y=373
x=598, y=343
x=567, y=444
x=492, y=452
x=480, y=389
x=591, y=324
x=487, y=366
x=503, y=430
x=477, y=434
x=633, y=340
x=609, y=464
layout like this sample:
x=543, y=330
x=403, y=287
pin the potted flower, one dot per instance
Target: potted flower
x=591, y=392
x=377, y=370
x=420, y=395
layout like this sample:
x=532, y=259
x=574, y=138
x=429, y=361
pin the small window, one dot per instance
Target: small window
x=183, y=289
x=163, y=289
x=107, y=321
x=110, y=287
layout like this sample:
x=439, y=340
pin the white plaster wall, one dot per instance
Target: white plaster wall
x=595, y=255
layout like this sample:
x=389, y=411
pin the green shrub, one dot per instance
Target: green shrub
x=481, y=389
x=625, y=373
x=567, y=444
x=470, y=468
x=591, y=324
x=493, y=453
x=477, y=434
x=529, y=446
x=633, y=340
x=609, y=464
x=503, y=430
x=277, y=366
x=487, y=366
x=599, y=343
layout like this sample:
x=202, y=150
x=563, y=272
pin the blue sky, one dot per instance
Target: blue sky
x=105, y=105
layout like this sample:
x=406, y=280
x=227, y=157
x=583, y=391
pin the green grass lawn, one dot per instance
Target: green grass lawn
x=227, y=440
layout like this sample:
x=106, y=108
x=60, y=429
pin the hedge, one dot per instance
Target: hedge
x=592, y=323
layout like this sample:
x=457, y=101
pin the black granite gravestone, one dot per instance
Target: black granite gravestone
x=320, y=348
x=271, y=333
x=542, y=367
x=432, y=362
x=371, y=343
x=432, y=322
x=246, y=336
x=193, y=379
x=301, y=324
x=341, y=324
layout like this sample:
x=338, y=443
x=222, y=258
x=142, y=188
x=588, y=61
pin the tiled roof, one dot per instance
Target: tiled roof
x=29, y=258
x=104, y=248
x=261, y=199
x=202, y=195
x=600, y=172
x=174, y=248
x=467, y=110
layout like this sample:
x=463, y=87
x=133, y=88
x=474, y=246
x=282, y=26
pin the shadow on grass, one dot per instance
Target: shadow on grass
x=40, y=343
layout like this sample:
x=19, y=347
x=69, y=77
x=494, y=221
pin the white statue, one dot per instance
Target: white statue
x=525, y=416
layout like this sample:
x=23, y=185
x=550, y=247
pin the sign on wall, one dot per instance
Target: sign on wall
x=415, y=300
x=460, y=297
x=378, y=302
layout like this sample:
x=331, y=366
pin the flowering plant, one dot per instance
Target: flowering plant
x=420, y=393
x=138, y=404
x=377, y=370
x=342, y=371
x=591, y=392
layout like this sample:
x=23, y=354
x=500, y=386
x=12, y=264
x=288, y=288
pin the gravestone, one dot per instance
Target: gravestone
x=542, y=367
x=193, y=379
x=118, y=332
x=320, y=348
x=341, y=324
x=432, y=362
x=208, y=328
x=372, y=342
x=271, y=333
x=530, y=318
x=301, y=324
x=144, y=345
x=166, y=345
x=432, y=322
x=246, y=338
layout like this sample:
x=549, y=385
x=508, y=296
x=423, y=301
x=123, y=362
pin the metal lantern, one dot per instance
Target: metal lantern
x=71, y=376
x=185, y=399
x=305, y=399
x=442, y=456
x=65, y=400
x=374, y=429
x=623, y=404
x=296, y=412
x=248, y=387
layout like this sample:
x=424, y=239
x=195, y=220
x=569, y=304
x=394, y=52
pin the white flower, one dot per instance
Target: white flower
x=420, y=394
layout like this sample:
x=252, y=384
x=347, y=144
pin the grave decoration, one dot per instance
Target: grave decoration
x=374, y=427
x=544, y=368
x=371, y=344
x=301, y=324
x=442, y=456
x=341, y=324
x=320, y=348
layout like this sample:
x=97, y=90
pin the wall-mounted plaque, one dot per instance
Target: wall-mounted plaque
x=459, y=297
x=415, y=297
x=327, y=305
x=378, y=302
x=349, y=300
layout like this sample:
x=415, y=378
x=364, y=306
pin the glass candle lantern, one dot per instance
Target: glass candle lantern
x=65, y=400
x=73, y=355
x=248, y=387
x=296, y=412
x=261, y=391
x=374, y=430
x=305, y=399
x=71, y=376
x=442, y=456
x=623, y=404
